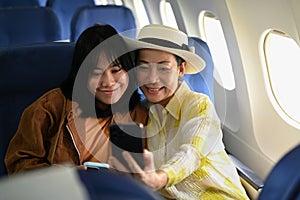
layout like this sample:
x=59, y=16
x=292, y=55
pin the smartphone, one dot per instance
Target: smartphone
x=127, y=137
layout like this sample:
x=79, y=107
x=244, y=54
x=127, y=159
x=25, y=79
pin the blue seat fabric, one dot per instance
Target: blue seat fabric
x=26, y=72
x=203, y=81
x=120, y=17
x=19, y=3
x=28, y=25
x=65, y=10
x=283, y=182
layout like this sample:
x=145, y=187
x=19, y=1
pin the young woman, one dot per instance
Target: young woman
x=186, y=157
x=70, y=124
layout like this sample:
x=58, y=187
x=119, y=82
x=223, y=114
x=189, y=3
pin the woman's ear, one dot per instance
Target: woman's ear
x=182, y=69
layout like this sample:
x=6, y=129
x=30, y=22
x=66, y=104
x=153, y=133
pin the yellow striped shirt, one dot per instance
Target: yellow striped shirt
x=187, y=145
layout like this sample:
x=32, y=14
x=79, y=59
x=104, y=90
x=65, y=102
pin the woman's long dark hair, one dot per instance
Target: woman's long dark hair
x=96, y=39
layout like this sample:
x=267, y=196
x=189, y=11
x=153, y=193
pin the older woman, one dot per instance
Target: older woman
x=186, y=157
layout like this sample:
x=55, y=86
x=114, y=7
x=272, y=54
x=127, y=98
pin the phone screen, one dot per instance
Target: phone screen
x=127, y=137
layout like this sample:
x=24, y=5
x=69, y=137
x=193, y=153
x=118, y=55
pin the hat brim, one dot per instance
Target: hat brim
x=194, y=65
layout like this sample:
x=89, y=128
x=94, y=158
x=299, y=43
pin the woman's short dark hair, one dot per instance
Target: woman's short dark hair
x=92, y=41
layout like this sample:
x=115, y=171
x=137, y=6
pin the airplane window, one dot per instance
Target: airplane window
x=101, y=2
x=118, y=2
x=212, y=33
x=137, y=7
x=282, y=55
x=167, y=14
x=141, y=13
x=106, y=2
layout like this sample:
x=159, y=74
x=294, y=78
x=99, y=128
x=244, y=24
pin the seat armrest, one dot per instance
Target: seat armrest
x=247, y=174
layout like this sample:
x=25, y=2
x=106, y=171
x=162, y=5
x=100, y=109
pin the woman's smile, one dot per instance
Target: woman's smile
x=152, y=90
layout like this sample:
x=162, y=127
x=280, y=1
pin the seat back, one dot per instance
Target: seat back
x=19, y=3
x=28, y=25
x=283, y=182
x=203, y=81
x=42, y=2
x=65, y=10
x=120, y=17
x=26, y=72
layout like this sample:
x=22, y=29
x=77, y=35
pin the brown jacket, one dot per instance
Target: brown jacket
x=47, y=133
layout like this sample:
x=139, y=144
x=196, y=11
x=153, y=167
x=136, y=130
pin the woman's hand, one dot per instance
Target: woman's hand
x=82, y=167
x=151, y=177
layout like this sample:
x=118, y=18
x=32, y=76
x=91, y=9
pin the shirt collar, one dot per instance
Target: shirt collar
x=174, y=105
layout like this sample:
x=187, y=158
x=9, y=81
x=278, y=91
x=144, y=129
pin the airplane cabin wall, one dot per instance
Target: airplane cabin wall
x=232, y=106
x=152, y=7
x=250, y=19
x=253, y=131
x=295, y=5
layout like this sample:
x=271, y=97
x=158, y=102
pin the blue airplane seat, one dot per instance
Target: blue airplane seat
x=120, y=17
x=19, y=3
x=203, y=81
x=283, y=182
x=65, y=10
x=42, y=2
x=26, y=72
x=26, y=25
x=101, y=184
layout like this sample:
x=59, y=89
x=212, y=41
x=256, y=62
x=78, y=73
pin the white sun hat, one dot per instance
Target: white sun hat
x=164, y=38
